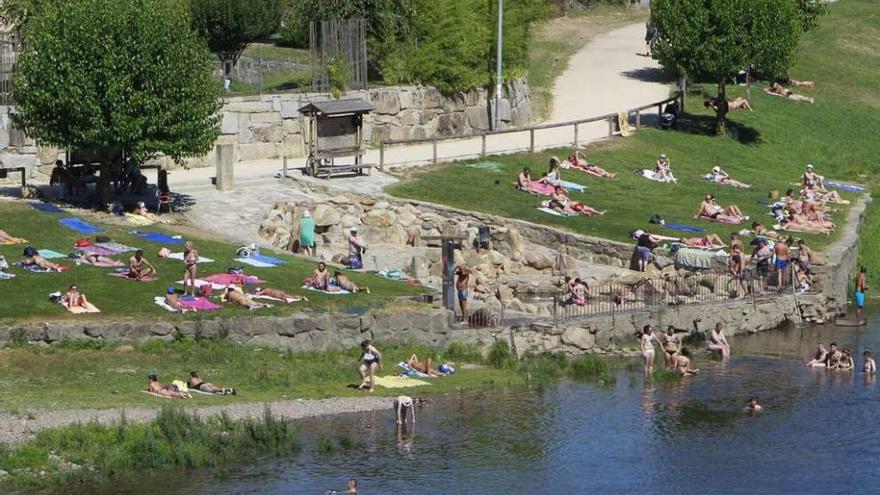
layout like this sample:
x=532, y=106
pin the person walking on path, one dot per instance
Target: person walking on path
x=651, y=34
x=861, y=287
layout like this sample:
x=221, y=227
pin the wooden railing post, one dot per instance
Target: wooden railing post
x=610, y=127
x=483, y=149
x=575, y=135
x=381, y=155
x=638, y=118
x=531, y=140
x=434, y=145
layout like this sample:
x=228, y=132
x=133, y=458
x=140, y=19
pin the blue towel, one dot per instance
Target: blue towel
x=267, y=259
x=80, y=226
x=47, y=208
x=158, y=238
x=843, y=186
x=51, y=255
x=685, y=228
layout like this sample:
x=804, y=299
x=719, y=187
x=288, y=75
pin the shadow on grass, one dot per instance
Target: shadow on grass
x=649, y=74
x=704, y=125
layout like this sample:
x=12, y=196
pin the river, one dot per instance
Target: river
x=818, y=434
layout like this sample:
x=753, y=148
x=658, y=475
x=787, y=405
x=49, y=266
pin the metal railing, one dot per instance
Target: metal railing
x=611, y=118
x=670, y=291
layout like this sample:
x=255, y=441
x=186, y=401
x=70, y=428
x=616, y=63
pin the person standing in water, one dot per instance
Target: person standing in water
x=647, y=339
x=403, y=406
x=861, y=287
x=870, y=367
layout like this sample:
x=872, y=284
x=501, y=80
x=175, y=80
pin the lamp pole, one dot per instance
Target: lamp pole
x=498, y=65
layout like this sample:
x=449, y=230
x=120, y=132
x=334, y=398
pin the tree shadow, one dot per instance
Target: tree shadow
x=704, y=125
x=650, y=74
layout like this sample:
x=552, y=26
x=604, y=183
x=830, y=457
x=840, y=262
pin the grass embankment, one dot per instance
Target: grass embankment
x=768, y=148
x=556, y=40
x=26, y=297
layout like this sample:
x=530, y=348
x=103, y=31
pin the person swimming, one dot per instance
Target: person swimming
x=870, y=367
x=754, y=406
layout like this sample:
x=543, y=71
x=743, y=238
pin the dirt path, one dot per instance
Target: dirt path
x=20, y=429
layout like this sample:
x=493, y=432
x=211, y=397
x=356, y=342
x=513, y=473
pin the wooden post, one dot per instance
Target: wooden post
x=284, y=167
x=638, y=118
x=610, y=127
x=434, y=145
x=531, y=140
x=483, y=150
x=381, y=155
x=575, y=135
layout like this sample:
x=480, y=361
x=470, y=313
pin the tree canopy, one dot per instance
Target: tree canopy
x=715, y=39
x=129, y=76
x=229, y=26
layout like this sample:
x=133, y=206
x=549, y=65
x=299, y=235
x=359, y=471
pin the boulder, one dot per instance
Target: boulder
x=326, y=215
x=378, y=217
x=396, y=234
x=385, y=101
x=538, y=261
x=497, y=258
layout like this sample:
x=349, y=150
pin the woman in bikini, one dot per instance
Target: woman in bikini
x=422, y=367
x=709, y=241
x=236, y=296
x=647, y=339
x=560, y=202
x=846, y=362
x=586, y=167
x=195, y=382
x=370, y=361
x=277, y=294
x=35, y=259
x=819, y=358
x=190, y=260
x=761, y=231
x=717, y=342
x=524, y=181
x=721, y=177
x=75, y=299
x=671, y=347
x=735, y=265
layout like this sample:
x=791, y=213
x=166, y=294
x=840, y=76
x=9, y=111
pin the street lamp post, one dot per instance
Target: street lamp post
x=498, y=65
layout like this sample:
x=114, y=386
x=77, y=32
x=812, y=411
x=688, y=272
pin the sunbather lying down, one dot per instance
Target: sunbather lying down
x=759, y=230
x=777, y=89
x=167, y=390
x=234, y=295
x=421, y=366
x=33, y=258
x=195, y=382
x=720, y=176
x=574, y=161
x=739, y=103
x=561, y=203
x=709, y=241
x=8, y=239
x=172, y=299
x=712, y=211
x=277, y=294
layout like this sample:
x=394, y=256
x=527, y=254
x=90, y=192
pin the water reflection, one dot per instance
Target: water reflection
x=817, y=434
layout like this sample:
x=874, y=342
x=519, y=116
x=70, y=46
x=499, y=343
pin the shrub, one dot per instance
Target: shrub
x=461, y=352
x=500, y=356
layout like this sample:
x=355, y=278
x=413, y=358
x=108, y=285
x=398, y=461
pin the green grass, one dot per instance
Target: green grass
x=556, y=40
x=26, y=297
x=769, y=148
x=90, y=452
x=269, y=51
x=80, y=374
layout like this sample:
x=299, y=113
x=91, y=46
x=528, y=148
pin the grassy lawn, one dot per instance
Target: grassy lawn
x=26, y=297
x=269, y=51
x=89, y=374
x=768, y=148
x=556, y=40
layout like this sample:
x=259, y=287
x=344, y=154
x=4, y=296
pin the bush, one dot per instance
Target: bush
x=461, y=352
x=590, y=367
x=500, y=356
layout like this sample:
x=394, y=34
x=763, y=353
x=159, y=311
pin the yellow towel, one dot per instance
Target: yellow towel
x=623, y=123
x=14, y=240
x=138, y=220
x=90, y=308
x=399, y=382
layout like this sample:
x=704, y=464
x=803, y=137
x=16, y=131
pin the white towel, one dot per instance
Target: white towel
x=325, y=292
x=160, y=301
x=270, y=298
x=256, y=263
x=553, y=212
x=179, y=257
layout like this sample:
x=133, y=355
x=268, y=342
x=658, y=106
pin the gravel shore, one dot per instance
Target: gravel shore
x=20, y=429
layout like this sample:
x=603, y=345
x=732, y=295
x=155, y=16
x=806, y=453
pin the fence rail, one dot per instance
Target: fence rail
x=611, y=118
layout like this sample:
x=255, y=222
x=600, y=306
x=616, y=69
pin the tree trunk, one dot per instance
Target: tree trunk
x=721, y=108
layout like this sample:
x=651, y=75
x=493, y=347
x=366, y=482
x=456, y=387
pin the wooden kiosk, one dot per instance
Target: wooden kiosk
x=335, y=131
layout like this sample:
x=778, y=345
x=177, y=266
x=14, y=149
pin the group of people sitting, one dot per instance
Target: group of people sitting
x=810, y=212
x=840, y=360
x=577, y=292
x=321, y=280
x=179, y=390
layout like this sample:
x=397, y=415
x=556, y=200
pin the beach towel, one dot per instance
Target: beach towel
x=313, y=289
x=843, y=186
x=408, y=371
x=696, y=258
x=253, y=262
x=199, y=303
x=623, y=123
x=179, y=257
x=124, y=274
x=541, y=188
x=723, y=219
x=96, y=250
x=287, y=300
x=51, y=255
x=572, y=186
x=651, y=175
x=6, y=276
x=267, y=259
x=551, y=211
x=47, y=208
x=36, y=269
x=399, y=382
x=394, y=275
x=202, y=282
x=159, y=238
x=101, y=263
x=139, y=220
x=227, y=278
x=684, y=228
x=79, y=310
x=489, y=166
x=115, y=247
x=80, y=226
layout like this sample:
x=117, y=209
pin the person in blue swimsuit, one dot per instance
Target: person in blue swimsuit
x=861, y=287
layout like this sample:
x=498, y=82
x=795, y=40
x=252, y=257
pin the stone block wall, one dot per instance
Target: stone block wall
x=270, y=126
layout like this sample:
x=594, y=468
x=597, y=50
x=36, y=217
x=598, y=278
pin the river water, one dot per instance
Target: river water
x=818, y=434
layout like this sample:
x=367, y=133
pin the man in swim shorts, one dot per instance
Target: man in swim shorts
x=861, y=287
x=783, y=255
x=463, y=275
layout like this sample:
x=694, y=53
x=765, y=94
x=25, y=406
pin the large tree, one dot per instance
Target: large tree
x=229, y=26
x=126, y=76
x=715, y=39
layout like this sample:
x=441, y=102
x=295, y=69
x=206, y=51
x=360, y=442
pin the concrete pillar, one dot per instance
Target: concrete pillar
x=225, y=160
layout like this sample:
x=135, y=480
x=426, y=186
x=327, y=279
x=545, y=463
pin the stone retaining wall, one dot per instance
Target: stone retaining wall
x=270, y=126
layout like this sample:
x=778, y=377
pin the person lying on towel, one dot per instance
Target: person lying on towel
x=720, y=176
x=561, y=203
x=234, y=295
x=173, y=300
x=584, y=166
x=709, y=241
x=345, y=283
x=711, y=210
x=195, y=382
x=167, y=390
x=33, y=258
x=277, y=294
x=8, y=239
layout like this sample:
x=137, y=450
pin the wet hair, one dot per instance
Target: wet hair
x=867, y=353
x=366, y=343
x=647, y=328
x=833, y=344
